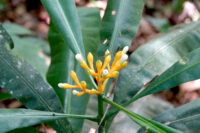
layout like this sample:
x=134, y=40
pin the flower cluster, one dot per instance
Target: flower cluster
x=102, y=73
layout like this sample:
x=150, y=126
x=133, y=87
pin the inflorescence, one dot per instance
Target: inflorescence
x=102, y=73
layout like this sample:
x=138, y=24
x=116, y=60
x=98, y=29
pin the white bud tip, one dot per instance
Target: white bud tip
x=75, y=92
x=105, y=72
x=124, y=58
x=78, y=57
x=125, y=49
x=60, y=85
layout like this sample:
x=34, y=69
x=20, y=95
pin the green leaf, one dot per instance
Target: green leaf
x=30, y=51
x=90, y=26
x=149, y=125
x=63, y=13
x=26, y=47
x=25, y=84
x=5, y=96
x=185, y=118
x=19, y=118
x=120, y=24
x=153, y=58
x=62, y=62
x=186, y=69
x=16, y=29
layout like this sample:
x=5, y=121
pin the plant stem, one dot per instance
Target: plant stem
x=89, y=117
x=100, y=113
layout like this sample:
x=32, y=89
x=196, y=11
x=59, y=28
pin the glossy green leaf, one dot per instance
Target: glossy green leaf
x=25, y=84
x=153, y=58
x=63, y=13
x=16, y=29
x=31, y=52
x=186, y=69
x=62, y=62
x=18, y=118
x=185, y=118
x=5, y=96
x=149, y=125
x=26, y=47
x=120, y=24
x=90, y=26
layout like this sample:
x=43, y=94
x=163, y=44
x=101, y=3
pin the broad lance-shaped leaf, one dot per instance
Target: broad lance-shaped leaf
x=185, y=118
x=120, y=24
x=29, y=51
x=150, y=125
x=18, y=118
x=90, y=21
x=186, y=69
x=27, y=47
x=153, y=58
x=15, y=29
x=62, y=62
x=90, y=26
x=25, y=84
x=63, y=13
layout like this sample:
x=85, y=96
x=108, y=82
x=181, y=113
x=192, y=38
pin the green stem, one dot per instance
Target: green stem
x=88, y=117
x=100, y=112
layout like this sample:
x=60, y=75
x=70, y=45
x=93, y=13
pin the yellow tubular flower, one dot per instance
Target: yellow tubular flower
x=74, y=77
x=118, y=56
x=67, y=86
x=106, y=62
x=77, y=93
x=84, y=85
x=104, y=86
x=84, y=65
x=98, y=65
x=102, y=74
x=90, y=60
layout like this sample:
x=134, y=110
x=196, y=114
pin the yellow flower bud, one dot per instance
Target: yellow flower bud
x=84, y=65
x=90, y=60
x=104, y=85
x=98, y=65
x=84, y=85
x=124, y=64
x=107, y=52
x=77, y=93
x=115, y=74
x=67, y=86
x=118, y=56
x=92, y=72
x=74, y=77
